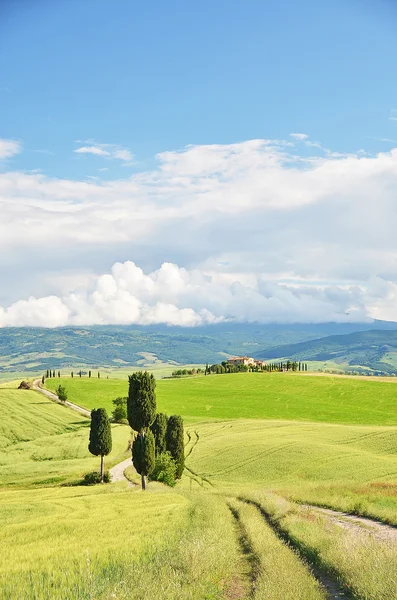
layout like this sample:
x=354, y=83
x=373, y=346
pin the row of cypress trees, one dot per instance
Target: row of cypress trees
x=155, y=432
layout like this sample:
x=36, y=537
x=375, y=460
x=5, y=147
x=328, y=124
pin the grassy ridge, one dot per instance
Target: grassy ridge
x=43, y=443
x=254, y=396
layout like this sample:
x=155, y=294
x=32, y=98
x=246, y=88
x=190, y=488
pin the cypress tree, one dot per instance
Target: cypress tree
x=59, y=374
x=143, y=455
x=175, y=445
x=141, y=402
x=71, y=374
x=100, y=435
x=53, y=373
x=43, y=380
x=89, y=373
x=159, y=430
x=99, y=375
x=141, y=412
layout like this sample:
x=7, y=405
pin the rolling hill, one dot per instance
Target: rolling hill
x=37, y=349
x=360, y=351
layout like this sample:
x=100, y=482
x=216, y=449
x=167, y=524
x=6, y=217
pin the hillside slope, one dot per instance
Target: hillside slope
x=363, y=350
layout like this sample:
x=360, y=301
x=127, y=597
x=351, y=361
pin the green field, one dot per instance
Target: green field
x=250, y=438
x=43, y=443
x=254, y=396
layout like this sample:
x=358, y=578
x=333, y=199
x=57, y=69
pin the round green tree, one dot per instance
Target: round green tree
x=159, y=429
x=100, y=435
x=143, y=455
x=175, y=443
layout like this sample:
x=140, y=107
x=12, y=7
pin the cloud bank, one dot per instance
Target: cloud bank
x=176, y=296
x=250, y=231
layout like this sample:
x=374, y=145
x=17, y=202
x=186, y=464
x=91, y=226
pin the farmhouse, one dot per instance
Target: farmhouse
x=245, y=360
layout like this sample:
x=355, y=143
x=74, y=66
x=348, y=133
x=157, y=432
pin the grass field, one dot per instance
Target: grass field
x=249, y=438
x=43, y=443
x=254, y=396
x=53, y=549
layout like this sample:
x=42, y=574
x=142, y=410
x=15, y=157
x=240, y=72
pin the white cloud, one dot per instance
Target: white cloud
x=299, y=136
x=97, y=150
x=250, y=214
x=9, y=148
x=108, y=151
x=177, y=296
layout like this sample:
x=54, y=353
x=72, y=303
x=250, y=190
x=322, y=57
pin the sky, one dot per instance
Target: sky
x=190, y=163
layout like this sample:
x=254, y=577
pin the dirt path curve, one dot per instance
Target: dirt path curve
x=372, y=527
x=117, y=472
x=54, y=397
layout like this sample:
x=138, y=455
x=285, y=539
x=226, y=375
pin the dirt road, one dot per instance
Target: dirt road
x=372, y=527
x=54, y=397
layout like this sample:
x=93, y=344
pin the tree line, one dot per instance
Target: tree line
x=51, y=373
x=158, y=445
x=226, y=367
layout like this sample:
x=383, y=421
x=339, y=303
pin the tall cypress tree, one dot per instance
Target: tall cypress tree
x=159, y=430
x=143, y=455
x=141, y=402
x=141, y=412
x=175, y=445
x=100, y=435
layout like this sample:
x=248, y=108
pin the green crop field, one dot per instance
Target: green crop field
x=250, y=438
x=254, y=396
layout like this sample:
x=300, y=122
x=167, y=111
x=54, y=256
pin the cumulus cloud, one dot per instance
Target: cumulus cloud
x=177, y=296
x=280, y=236
x=107, y=151
x=9, y=148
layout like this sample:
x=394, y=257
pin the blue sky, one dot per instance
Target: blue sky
x=157, y=76
x=185, y=163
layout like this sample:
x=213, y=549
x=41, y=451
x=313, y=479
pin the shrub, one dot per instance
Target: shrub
x=61, y=393
x=119, y=412
x=164, y=469
x=95, y=477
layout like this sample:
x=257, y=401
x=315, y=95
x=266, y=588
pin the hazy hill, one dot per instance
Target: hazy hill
x=37, y=349
x=362, y=350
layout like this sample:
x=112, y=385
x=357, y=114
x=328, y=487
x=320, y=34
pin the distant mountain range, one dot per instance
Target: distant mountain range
x=367, y=345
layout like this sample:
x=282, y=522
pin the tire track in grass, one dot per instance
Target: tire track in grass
x=194, y=444
x=329, y=582
x=250, y=560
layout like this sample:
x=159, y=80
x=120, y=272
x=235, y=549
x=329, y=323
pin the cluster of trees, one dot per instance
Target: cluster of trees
x=157, y=435
x=158, y=446
x=182, y=372
x=225, y=367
